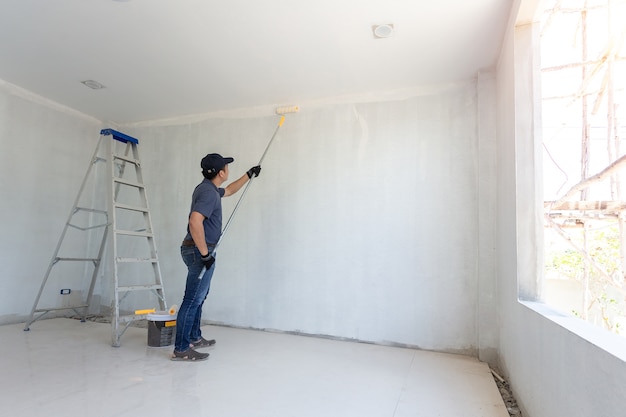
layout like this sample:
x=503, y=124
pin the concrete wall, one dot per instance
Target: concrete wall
x=45, y=149
x=557, y=365
x=364, y=223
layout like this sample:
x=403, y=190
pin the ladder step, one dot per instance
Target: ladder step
x=132, y=208
x=127, y=182
x=134, y=317
x=133, y=233
x=97, y=226
x=78, y=259
x=42, y=310
x=91, y=210
x=140, y=287
x=130, y=260
x=127, y=159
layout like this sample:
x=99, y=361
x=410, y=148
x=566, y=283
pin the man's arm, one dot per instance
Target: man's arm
x=235, y=186
x=196, y=228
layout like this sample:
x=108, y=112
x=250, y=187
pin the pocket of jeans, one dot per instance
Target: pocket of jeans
x=188, y=253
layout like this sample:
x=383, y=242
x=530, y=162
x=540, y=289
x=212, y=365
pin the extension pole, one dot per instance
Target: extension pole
x=245, y=189
x=282, y=111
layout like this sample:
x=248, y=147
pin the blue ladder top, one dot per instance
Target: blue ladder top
x=119, y=136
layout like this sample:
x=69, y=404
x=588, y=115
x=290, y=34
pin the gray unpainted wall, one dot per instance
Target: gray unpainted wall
x=363, y=224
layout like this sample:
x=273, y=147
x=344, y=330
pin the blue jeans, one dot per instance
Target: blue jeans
x=196, y=291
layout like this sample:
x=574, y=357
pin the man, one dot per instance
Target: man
x=203, y=231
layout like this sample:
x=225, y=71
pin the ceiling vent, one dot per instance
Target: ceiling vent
x=95, y=85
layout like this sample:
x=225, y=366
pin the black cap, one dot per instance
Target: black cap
x=214, y=162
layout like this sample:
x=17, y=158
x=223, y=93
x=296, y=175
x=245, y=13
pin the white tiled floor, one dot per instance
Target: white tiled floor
x=63, y=367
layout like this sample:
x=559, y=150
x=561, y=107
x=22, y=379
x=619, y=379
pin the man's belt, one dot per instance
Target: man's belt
x=190, y=242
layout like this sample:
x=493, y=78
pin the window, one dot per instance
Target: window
x=583, y=82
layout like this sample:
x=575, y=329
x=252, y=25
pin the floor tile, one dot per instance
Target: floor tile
x=67, y=368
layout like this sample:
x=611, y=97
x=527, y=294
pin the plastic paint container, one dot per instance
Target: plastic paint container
x=161, y=329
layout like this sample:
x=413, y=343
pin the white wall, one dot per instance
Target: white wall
x=44, y=152
x=363, y=223
x=557, y=365
x=487, y=314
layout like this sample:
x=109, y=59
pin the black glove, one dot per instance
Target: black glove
x=208, y=260
x=254, y=171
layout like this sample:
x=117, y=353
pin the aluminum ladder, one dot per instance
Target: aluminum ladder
x=118, y=224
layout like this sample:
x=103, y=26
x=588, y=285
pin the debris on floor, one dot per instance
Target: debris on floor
x=507, y=395
x=107, y=319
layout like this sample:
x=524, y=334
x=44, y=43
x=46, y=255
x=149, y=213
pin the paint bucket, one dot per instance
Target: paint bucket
x=161, y=329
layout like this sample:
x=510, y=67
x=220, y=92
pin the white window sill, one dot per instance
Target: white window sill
x=610, y=342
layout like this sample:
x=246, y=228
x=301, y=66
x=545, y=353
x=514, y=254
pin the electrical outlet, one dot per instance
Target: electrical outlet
x=65, y=291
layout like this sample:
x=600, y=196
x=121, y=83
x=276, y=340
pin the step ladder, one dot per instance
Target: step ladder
x=116, y=226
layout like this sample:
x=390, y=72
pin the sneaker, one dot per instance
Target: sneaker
x=202, y=343
x=189, y=355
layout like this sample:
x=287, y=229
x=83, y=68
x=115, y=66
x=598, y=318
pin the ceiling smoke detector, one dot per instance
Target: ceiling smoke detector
x=383, y=31
x=95, y=85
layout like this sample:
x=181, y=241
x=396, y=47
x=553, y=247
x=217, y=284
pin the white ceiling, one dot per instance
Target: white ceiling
x=167, y=58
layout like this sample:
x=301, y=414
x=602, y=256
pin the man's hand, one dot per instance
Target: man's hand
x=254, y=171
x=208, y=260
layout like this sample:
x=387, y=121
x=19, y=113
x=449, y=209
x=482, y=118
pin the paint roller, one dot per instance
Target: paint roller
x=172, y=311
x=281, y=111
x=287, y=109
x=145, y=311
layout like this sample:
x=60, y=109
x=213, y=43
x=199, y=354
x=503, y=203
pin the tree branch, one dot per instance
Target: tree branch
x=618, y=164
